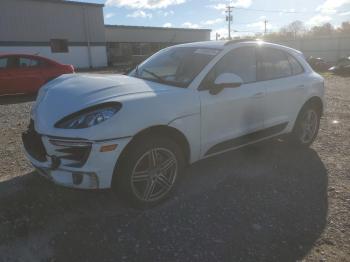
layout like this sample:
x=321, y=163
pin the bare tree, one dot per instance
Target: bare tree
x=293, y=30
x=344, y=30
x=323, y=30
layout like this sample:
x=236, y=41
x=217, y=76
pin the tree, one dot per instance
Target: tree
x=323, y=30
x=293, y=30
x=344, y=29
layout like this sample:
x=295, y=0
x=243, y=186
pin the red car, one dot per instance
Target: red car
x=25, y=74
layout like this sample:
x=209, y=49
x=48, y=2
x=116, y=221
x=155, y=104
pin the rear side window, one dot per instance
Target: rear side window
x=295, y=65
x=25, y=62
x=3, y=63
x=240, y=61
x=273, y=64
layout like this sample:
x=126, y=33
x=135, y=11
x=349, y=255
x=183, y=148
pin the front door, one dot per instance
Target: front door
x=233, y=116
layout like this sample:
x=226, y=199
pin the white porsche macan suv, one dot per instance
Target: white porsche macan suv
x=137, y=132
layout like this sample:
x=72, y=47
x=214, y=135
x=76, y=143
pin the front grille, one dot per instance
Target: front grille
x=75, y=153
x=33, y=144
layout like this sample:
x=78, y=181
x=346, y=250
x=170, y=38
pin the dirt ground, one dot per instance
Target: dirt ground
x=266, y=202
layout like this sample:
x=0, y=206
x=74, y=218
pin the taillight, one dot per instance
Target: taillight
x=71, y=68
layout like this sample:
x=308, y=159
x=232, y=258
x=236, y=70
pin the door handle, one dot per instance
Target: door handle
x=300, y=86
x=258, y=95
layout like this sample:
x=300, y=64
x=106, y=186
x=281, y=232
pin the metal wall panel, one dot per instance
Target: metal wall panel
x=40, y=21
x=329, y=48
x=154, y=35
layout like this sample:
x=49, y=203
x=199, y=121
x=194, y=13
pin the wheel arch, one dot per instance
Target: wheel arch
x=159, y=130
x=314, y=101
x=169, y=132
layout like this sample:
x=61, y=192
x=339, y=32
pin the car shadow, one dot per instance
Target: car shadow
x=266, y=202
x=16, y=99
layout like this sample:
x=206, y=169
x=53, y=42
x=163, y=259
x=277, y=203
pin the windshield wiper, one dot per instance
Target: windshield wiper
x=154, y=74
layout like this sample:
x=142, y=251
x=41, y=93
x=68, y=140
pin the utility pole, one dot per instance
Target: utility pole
x=229, y=10
x=265, y=23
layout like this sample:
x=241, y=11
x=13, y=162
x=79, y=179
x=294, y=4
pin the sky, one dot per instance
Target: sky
x=248, y=15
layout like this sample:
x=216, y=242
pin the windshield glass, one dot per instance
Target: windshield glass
x=176, y=66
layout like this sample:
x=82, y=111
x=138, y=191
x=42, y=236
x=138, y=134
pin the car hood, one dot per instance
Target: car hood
x=71, y=93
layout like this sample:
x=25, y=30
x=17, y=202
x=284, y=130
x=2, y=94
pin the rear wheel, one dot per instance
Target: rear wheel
x=149, y=171
x=306, y=127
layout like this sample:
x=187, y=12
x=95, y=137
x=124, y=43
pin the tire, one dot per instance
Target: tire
x=149, y=171
x=306, y=126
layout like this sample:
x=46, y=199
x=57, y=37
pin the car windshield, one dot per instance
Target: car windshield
x=176, y=66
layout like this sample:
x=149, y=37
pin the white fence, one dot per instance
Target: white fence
x=329, y=48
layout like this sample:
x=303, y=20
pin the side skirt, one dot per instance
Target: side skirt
x=246, y=139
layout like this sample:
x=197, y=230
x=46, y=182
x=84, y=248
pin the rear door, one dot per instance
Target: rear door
x=282, y=76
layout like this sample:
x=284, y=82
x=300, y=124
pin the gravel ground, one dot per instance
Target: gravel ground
x=266, y=202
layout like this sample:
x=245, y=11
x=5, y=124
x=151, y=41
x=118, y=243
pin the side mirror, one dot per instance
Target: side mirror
x=226, y=80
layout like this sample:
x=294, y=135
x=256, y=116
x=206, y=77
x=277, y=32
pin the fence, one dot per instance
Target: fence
x=329, y=48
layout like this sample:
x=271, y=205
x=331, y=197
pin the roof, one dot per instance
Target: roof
x=156, y=28
x=206, y=44
x=24, y=55
x=220, y=44
x=224, y=43
x=70, y=2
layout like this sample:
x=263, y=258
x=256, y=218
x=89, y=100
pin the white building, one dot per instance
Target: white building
x=68, y=32
x=74, y=33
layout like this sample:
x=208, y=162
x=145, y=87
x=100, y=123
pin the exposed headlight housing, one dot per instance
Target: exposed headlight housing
x=90, y=116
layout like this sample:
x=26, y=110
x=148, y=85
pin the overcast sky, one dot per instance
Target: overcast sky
x=247, y=18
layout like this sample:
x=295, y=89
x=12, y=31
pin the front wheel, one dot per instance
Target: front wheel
x=149, y=171
x=306, y=127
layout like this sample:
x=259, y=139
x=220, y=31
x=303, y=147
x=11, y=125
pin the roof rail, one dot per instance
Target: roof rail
x=230, y=42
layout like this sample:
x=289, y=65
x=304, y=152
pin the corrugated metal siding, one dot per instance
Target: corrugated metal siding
x=39, y=21
x=154, y=35
x=329, y=48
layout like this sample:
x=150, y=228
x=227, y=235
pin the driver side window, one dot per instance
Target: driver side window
x=240, y=61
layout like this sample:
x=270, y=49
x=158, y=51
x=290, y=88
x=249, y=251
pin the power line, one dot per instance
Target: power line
x=252, y=22
x=275, y=11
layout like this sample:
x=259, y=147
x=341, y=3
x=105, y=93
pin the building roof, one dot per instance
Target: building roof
x=156, y=27
x=70, y=2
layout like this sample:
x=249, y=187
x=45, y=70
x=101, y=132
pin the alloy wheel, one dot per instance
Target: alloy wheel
x=154, y=174
x=308, y=126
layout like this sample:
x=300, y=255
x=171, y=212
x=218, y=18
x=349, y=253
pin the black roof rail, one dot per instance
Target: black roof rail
x=230, y=42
